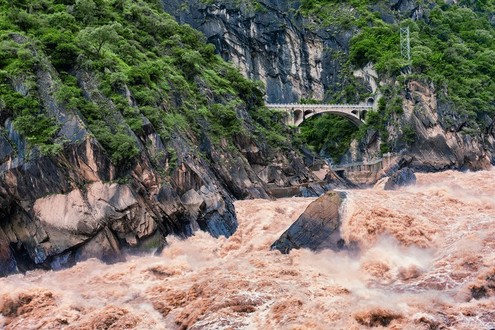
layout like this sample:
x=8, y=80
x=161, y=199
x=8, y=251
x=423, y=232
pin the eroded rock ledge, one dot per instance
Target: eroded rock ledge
x=55, y=211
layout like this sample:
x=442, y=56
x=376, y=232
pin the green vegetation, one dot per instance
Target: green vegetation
x=120, y=63
x=452, y=46
x=114, y=60
x=252, y=6
x=340, y=14
x=17, y=60
x=329, y=134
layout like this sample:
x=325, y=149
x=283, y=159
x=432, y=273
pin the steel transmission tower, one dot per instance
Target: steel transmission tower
x=405, y=44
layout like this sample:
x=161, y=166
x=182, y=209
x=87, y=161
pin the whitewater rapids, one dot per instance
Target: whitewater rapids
x=426, y=260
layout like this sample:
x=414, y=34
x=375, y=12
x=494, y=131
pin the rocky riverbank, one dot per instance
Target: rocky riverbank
x=424, y=260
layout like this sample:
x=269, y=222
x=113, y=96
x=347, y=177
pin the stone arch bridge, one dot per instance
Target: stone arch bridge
x=356, y=113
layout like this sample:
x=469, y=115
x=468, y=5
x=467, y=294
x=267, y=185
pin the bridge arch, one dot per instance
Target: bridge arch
x=363, y=115
x=300, y=112
x=354, y=118
x=307, y=114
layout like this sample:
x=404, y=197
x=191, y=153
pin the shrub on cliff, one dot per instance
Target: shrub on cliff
x=116, y=62
x=452, y=48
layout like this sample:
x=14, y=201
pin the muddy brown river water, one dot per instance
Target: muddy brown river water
x=426, y=260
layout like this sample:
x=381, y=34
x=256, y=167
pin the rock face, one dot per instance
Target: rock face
x=59, y=209
x=268, y=42
x=7, y=261
x=296, y=57
x=439, y=141
x=401, y=178
x=55, y=211
x=316, y=228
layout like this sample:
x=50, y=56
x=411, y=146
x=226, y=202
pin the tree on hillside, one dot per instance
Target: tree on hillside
x=92, y=39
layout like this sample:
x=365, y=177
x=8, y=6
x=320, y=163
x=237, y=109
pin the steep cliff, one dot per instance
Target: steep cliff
x=311, y=49
x=269, y=40
x=118, y=134
x=120, y=126
x=429, y=134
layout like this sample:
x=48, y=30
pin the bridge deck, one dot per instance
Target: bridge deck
x=316, y=106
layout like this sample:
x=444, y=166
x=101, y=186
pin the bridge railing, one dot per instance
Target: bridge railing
x=312, y=106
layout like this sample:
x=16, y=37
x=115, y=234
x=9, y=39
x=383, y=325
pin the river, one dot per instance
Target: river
x=426, y=260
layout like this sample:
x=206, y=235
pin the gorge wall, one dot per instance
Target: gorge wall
x=57, y=210
x=429, y=136
x=95, y=168
x=302, y=56
x=269, y=41
x=146, y=133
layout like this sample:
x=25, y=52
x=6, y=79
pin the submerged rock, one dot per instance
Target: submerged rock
x=401, y=178
x=316, y=228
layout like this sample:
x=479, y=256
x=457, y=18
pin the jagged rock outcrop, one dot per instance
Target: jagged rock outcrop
x=59, y=210
x=437, y=140
x=269, y=42
x=76, y=204
x=440, y=141
x=316, y=228
x=8, y=264
x=401, y=178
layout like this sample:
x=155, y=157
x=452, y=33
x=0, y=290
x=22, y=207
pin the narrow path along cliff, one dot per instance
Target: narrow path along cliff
x=425, y=260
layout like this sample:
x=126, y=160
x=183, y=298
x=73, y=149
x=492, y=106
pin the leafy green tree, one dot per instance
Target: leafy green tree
x=85, y=10
x=328, y=134
x=38, y=129
x=93, y=39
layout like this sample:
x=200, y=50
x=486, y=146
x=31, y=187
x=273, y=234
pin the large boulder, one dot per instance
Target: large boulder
x=401, y=178
x=316, y=228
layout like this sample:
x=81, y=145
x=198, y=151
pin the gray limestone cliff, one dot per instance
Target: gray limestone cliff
x=297, y=58
x=270, y=42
